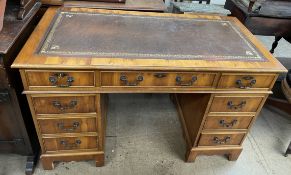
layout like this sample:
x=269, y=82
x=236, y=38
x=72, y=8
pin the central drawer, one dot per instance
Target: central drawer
x=67, y=125
x=152, y=79
x=59, y=104
x=70, y=143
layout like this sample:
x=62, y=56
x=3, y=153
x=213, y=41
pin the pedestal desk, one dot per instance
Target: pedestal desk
x=218, y=74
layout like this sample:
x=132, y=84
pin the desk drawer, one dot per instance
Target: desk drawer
x=246, y=81
x=64, y=104
x=220, y=139
x=60, y=78
x=228, y=122
x=174, y=79
x=236, y=103
x=70, y=143
x=67, y=125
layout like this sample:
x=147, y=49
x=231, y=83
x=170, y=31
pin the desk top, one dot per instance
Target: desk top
x=103, y=39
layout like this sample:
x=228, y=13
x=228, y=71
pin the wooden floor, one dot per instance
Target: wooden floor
x=144, y=137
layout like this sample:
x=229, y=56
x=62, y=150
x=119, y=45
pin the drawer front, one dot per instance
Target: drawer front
x=136, y=79
x=60, y=78
x=228, y=122
x=70, y=143
x=214, y=139
x=64, y=104
x=243, y=81
x=67, y=125
x=236, y=103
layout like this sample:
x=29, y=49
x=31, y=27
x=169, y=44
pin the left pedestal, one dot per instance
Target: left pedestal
x=70, y=126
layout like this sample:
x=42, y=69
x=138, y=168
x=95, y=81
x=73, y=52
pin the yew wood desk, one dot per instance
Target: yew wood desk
x=218, y=74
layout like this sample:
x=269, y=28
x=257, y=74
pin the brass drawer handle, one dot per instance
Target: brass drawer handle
x=62, y=107
x=252, y=82
x=57, y=76
x=62, y=127
x=238, y=106
x=124, y=80
x=160, y=75
x=68, y=145
x=227, y=125
x=225, y=140
x=179, y=81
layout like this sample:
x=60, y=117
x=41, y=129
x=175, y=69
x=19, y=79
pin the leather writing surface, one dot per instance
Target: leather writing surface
x=148, y=37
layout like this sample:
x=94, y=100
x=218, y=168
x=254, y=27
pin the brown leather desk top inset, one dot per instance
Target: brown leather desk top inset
x=152, y=37
x=219, y=76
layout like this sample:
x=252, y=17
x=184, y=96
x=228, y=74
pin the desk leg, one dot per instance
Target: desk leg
x=47, y=163
x=275, y=43
x=100, y=161
x=233, y=156
x=191, y=156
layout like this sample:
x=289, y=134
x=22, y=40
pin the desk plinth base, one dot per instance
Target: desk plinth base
x=232, y=153
x=49, y=159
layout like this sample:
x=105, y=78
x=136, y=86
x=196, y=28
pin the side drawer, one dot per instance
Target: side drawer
x=228, y=122
x=70, y=143
x=236, y=103
x=64, y=104
x=246, y=81
x=152, y=79
x=47, y=78
x=67, y=125
x=220, y=139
